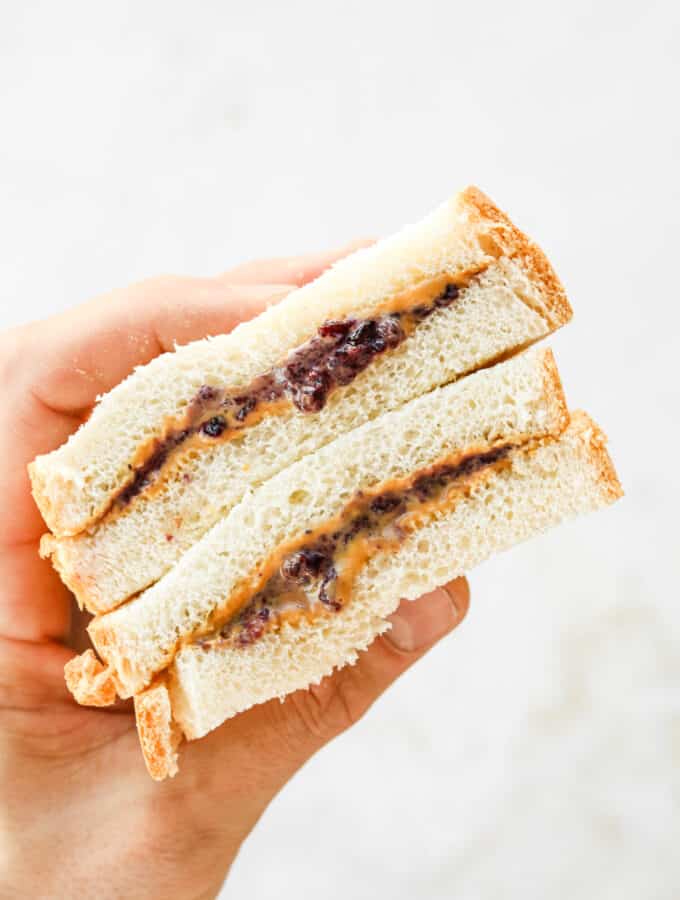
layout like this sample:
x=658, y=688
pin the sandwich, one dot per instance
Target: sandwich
x=302, y=574
x=167, y=453
x=242, y=515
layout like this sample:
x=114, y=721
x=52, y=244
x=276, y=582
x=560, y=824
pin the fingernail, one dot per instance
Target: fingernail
x=417, y=625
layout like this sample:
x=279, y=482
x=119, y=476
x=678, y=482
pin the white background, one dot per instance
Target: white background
x=536, y=753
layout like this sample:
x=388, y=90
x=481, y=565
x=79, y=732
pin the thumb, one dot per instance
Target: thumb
x=325, y=710
x=252, y=755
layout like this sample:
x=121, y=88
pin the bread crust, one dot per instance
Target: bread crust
x=159, y=735
x=596, y=439
x=82, y=585
x=554, y=391
x=46, y=498
x=516, y=244
x=90, y=682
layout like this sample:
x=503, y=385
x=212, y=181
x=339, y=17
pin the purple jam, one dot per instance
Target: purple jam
x=309, y=574
x=340, y=350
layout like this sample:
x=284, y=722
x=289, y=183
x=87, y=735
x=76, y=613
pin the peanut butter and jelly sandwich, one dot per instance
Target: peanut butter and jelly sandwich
x=243, y=515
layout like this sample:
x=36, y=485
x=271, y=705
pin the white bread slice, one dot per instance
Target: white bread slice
x=128, y=552
x=73, y=485
x=546, y=483
x=159, y=734
x=512, y=402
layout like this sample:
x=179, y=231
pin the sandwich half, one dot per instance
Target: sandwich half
x=288, y=635
x=429, y=449
x=168, y=452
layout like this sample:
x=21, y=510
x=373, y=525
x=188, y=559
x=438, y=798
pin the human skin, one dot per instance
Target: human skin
x=79, y=815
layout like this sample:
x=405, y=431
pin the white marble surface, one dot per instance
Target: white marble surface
x=537, y=752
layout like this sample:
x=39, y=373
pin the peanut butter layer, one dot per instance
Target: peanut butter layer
x=340, y=350
x=313, y=574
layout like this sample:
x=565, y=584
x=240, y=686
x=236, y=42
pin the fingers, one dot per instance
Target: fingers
x=56, y=369
x=416, y=626
x=297, y=270
x=32, y=674
x=37, y=708
x=68, y=360
x=34, y=604
x=334, y=705
x=65, y=362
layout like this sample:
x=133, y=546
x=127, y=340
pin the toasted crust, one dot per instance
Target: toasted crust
x=515, y=243
x=54, y=496
x=554, y=390
x=90, y=682
x=608, y=480
x=105, y=640
x=45, y=499
x=159, y=736
x=83, y=586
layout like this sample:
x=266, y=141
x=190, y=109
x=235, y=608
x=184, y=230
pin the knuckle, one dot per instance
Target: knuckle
x=331, y=707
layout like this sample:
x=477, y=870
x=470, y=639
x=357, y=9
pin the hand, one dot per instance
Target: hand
x=79, y=816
